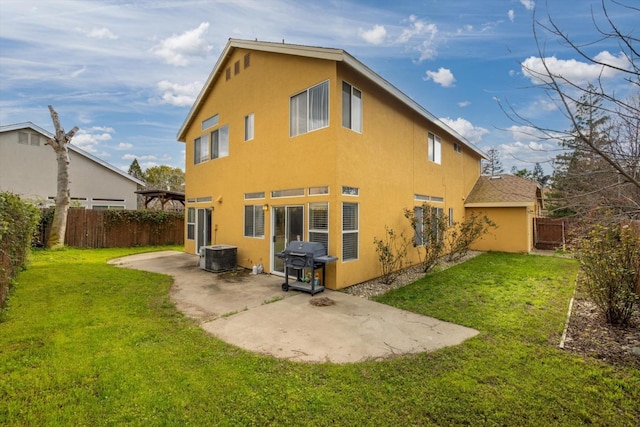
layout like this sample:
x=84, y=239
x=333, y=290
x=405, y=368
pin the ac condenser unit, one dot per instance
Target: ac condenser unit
x=219, y=258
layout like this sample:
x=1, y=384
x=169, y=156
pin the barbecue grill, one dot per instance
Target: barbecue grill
x=301, y=257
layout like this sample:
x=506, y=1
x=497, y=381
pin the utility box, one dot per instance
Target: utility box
x=218, y=258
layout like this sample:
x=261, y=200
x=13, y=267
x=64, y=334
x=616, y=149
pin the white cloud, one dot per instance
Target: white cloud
x=465, y=128
x=78, y=72
x=528, y=4
x=511, y=15
x=124, y=146
x=424, y=31
x=444, y=77
x=572, y=70
x=375, y=36
x=177, y=94
x=90, y=139
x=176, y=49
x=101, y=33
x=463, y=104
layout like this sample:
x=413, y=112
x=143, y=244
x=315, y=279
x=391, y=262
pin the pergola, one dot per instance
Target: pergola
x=163, y=196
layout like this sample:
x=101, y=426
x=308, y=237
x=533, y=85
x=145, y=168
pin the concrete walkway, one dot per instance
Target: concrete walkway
x=253, y=312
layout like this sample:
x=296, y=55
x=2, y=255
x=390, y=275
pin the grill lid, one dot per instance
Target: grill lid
x=316, y=249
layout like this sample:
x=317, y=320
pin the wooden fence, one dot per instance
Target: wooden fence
x=87, y=228
x=550, y=233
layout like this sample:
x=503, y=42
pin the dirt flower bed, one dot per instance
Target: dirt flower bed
x=375, y=287
x=587, y=335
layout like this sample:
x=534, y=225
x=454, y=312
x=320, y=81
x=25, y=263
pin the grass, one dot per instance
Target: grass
x=86, y=343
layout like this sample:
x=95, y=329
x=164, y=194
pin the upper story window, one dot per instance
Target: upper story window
x=201, y=149
x=309, y=110
x=435, y=148
x=351, y=107
x=350, y=191
x=210, y=122
x=457, y=147
x=248, y=127
x=220, y=142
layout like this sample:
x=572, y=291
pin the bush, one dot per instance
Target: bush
x=392, y=254
x=430, y=225
x=18, y=224
x=610, y=262
x=462, y=235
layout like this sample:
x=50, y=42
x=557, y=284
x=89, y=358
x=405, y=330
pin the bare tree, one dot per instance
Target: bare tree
x=614, y=152
x=59, y=144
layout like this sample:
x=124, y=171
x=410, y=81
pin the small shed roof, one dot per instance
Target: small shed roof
x=503, y=190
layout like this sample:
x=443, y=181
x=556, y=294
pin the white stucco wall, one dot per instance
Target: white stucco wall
x=30, y=170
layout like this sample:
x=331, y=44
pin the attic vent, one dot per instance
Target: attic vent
x=495, y=177
x=236, y=67
x=227, y=73
x=247, y=59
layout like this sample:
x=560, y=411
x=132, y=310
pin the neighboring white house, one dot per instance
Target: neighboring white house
x=28, y=167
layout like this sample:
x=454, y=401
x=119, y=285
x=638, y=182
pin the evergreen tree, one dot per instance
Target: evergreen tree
x=135, y=170
x=493, y=165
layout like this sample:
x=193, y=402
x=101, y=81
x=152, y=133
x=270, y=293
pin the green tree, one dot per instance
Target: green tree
x=135, y=170
x=493, y=165
x=164, y=178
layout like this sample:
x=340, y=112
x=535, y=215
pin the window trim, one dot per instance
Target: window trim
x=202, y=142
x=215, y=154
x=249, y=131
x=434, y=146
x=319, y=230
x=356, y=231
x=351, y=103
x=191, y=223
x=257, y=213
x=308, y=110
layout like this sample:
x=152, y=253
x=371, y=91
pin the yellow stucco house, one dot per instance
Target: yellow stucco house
x=289, y=142
x=512, y=203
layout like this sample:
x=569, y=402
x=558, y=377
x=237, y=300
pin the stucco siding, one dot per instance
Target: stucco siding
x=513, y=232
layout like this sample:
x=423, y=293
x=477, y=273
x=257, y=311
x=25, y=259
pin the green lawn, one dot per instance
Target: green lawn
x=86, y=343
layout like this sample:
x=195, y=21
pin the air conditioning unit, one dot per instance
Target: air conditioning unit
x=218, y=258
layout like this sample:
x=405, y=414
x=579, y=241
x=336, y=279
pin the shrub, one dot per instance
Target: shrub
x=462, y=235
x=392, y=254
x=18, y=224
x=430, y=225
x=610, y=262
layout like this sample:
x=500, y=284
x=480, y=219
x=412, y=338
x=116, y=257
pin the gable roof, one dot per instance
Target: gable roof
x=331, y=54
x=78, y=150
x=503, y=190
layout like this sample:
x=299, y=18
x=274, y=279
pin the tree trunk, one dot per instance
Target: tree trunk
x=59, y=144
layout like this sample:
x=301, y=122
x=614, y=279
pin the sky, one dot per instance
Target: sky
x=127, y=72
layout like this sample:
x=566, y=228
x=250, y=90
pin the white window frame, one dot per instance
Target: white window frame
x=254, y=229
x=201, y=149
x=249, y=126
x=210, y=122
x=191, y=223
x=220, y=142
x=435, y=148
x=351, y=107
x=314, y=230
x=351, y=231
x=307, y=118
